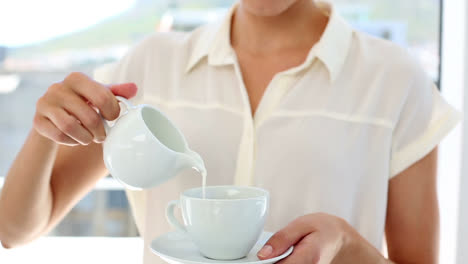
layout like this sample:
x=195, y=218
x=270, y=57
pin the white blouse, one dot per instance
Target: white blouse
x=327, y=135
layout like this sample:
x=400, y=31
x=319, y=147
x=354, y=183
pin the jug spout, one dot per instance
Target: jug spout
x=191, y=159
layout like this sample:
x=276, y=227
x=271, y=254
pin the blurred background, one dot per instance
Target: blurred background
x=42, y=41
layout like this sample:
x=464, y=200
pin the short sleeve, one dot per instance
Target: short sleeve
x=424, y=120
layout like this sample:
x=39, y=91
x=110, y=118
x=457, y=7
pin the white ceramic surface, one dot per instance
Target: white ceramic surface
x=225, y=225
x=177, y=248
x=144, y=148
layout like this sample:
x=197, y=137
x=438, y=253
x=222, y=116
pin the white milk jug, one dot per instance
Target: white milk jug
x=143, y=148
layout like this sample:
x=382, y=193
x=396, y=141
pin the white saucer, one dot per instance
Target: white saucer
x=177, y=248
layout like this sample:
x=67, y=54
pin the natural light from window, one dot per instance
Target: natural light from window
x=25, y=22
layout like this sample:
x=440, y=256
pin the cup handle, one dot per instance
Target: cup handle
x=171, y=218
x=128, y=105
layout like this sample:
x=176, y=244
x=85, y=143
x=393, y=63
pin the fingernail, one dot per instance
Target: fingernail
x=100, y=139
x=265, y=251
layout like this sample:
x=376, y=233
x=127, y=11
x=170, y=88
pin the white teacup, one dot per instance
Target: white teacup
x=144, y=148
x=226, y=224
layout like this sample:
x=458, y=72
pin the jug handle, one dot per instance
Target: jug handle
x=128, y=105
x=171, y=218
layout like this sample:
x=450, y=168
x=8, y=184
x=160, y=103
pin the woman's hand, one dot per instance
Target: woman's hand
x=65, y=113
x=321, y=238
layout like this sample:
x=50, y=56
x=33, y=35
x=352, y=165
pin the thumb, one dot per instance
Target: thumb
x=284, y=239
x=127, y=90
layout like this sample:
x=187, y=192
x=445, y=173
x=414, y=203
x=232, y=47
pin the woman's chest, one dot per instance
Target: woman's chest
x=258, y=70
x=308, y=146
x=304, y=125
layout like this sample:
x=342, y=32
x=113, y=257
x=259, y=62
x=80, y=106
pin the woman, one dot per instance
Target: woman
x=340, y=127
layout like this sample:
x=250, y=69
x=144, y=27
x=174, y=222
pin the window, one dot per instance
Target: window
x=412, y=24
x=34, y=56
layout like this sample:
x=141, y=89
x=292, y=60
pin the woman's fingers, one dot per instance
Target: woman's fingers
x=45, y=127
x=127, y=90
x=318, y=238
x=48, y=108
x=87, y=116
x=69, y=106
x=99, y=95
x=285, y=238
x=307, y=251
x=70, y=126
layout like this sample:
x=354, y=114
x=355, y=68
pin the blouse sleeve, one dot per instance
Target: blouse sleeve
x=424, y=120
